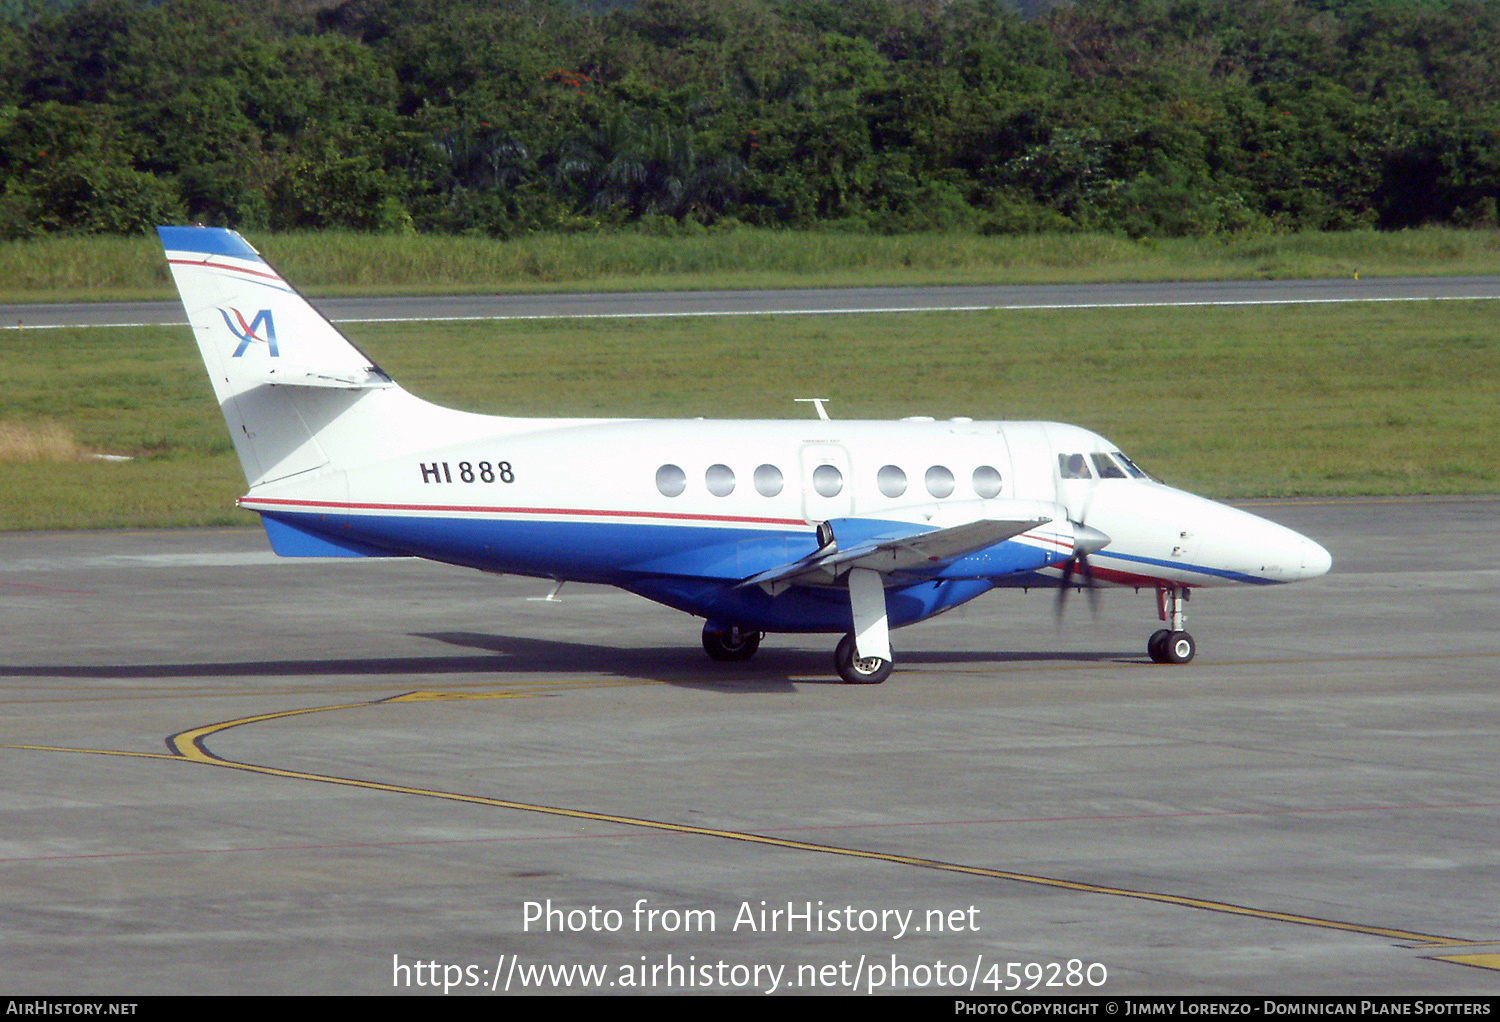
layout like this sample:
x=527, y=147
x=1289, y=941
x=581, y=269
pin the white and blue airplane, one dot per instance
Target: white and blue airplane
x=843, y=527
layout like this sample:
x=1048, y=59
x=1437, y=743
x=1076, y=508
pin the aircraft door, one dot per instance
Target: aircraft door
x=827, y=482
x=1033, y=470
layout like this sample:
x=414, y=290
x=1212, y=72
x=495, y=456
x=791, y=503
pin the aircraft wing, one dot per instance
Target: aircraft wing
x=888, y=556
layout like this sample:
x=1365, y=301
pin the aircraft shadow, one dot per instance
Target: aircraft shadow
x=1013, y=657
x=772, y=670
x=688, y=665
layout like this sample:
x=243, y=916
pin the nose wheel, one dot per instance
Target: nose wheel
x=1169, y=647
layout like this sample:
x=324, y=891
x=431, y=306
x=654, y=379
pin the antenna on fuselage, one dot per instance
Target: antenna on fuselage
x=816, y=402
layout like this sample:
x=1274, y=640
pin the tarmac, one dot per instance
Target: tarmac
x=796, y=301
x=229, y=773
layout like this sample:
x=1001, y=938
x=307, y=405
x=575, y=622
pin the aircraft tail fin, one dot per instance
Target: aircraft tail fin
x=279, y=369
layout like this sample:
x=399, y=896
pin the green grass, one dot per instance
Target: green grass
x=1232, y=402
x=327, y=263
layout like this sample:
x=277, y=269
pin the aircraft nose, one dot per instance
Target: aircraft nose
x=1315, y=560
x=1267, y=550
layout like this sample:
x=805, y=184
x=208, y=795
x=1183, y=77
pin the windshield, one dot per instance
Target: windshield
x=1099, y=465
x=1135, y=470
x=1107, y=467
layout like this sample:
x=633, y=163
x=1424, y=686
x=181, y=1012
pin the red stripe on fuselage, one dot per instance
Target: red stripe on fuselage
x=312, y=505
x=1061, y=544
x=1124, y=578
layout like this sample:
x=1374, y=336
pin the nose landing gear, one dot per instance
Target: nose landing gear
x=1168, y=647
x=1171, y=645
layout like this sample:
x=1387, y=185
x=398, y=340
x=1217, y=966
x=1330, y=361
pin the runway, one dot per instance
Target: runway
x=228, y=773
x=802, y=301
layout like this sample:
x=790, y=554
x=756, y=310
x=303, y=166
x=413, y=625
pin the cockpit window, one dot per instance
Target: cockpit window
x=1106, y=467
x=1135, y=470
x=1072, y=466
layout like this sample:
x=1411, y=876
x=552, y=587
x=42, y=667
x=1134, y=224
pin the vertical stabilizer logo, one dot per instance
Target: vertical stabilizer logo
x=261, y=330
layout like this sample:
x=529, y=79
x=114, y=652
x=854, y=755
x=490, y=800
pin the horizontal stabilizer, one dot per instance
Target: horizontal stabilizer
x=304, y=376
x=924, y=550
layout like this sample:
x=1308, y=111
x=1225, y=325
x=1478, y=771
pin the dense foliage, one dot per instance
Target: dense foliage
x=1150, y=117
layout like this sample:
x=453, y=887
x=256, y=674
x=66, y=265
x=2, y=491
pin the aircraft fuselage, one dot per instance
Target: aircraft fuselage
x=682, y=511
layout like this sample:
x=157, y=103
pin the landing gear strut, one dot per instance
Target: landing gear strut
x=858, y=670
x=729, y=643
x=1172, y=645
x=863, y=657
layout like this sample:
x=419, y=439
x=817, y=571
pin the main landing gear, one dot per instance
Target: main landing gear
x=729, y=643
x=858, y=670
x=1171, y=645
x=863, y=656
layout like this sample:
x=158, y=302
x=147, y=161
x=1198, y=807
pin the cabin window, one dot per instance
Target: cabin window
x=720, y=480
x=1072, y=466
x=768, y=480
x=891, y=480
x=671, y=480
x=939, y=481
x=828, y=480
x=987, y=481
x=1107, y=468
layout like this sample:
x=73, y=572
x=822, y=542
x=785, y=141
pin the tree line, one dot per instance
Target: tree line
x=1144, y=117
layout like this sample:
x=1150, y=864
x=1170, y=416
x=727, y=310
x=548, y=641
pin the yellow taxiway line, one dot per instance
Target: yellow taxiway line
x=188, y=746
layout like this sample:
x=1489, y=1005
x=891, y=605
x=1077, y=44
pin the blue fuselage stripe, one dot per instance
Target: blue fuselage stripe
x=1179, y=566
x=695, y=568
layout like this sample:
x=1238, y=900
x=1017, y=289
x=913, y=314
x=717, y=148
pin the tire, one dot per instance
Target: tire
x=1156, y=646
x=856, y=671
x=731, y=645
x=1180, y=648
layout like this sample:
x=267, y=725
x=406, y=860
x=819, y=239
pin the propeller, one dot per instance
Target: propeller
x=1086, y=540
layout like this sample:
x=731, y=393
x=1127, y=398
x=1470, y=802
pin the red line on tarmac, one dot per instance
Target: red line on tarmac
x=49, y=589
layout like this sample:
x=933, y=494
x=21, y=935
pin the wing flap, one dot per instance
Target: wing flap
x=925, y=550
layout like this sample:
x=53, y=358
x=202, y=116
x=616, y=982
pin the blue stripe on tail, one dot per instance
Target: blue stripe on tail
x=207, y=240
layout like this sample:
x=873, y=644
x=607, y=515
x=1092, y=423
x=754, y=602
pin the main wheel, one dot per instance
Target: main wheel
x=1180, y=648
x=730, y=644
x=1156, y=646
x=856, y=670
